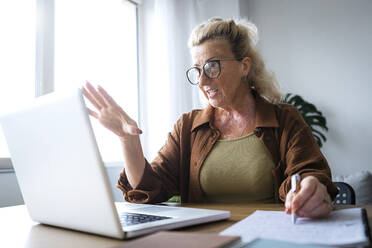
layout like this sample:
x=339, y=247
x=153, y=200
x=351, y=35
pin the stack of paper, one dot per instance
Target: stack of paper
x=341, y=228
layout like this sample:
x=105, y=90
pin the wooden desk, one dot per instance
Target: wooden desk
x=18, y=230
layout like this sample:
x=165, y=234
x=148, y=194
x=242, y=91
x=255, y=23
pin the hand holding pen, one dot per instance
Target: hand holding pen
x=310, y=199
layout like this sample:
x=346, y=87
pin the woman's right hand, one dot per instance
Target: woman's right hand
x=109, y=113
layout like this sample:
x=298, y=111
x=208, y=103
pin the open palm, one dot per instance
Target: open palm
x=109, y=113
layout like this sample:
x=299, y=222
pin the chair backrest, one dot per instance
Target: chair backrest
x=346, y=194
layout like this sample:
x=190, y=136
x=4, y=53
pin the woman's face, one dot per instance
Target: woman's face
x=223, y=90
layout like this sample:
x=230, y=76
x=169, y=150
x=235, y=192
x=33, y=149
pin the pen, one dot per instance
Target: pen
x=295, y=187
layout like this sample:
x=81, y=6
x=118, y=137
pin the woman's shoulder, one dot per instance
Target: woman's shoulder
x=286, y=108
x=289, y=117
x=282, y=111
x=288, y=114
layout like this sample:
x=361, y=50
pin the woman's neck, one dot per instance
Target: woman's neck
x=242, y=107
x=236, y=121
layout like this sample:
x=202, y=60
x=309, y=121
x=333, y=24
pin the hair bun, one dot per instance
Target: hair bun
x=215, y=19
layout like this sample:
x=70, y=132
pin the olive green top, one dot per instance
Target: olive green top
x=238, y=170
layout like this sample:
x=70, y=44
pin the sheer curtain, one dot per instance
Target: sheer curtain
x=164, y=58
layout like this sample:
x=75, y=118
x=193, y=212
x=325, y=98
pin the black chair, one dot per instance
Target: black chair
x=346, y=194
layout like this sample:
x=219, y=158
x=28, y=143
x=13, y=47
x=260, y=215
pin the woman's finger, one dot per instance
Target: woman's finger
x=322, y=210
x=308, y=187
x=106, y=96
x=134, y=130
x=91, y=98
x=93, y=113
x=97, y=97
x=288, y=202
x=112, y=102
x=128, y=130
x=314, y=201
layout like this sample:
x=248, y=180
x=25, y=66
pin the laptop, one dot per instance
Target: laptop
x=63, y=180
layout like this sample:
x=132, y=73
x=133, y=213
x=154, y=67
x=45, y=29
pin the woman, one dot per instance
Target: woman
x=243, y=147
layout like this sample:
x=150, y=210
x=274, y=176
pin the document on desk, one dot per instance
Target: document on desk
x=341, y=228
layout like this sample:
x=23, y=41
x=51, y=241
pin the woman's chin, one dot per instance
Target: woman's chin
x=214, y=103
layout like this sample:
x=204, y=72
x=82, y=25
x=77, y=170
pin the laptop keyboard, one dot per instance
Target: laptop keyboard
x=128, y=219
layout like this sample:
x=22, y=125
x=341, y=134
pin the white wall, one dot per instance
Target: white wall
x=322, y=50
x=217, y=8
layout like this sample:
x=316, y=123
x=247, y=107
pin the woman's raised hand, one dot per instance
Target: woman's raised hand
x=109, y=113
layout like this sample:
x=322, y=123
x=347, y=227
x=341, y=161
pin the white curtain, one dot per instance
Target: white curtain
x=165, y=94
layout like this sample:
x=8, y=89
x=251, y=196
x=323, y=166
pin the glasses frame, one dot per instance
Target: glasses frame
x=203, y=69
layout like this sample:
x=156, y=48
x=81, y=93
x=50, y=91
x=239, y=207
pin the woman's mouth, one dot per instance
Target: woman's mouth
x=211, y=93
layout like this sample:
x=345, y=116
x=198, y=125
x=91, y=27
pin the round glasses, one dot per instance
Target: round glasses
x=212, y=69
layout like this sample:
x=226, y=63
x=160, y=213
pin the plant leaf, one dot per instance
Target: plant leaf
x=319, y=133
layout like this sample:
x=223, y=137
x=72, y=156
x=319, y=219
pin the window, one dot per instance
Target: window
x=96, y=40
x=17, y=59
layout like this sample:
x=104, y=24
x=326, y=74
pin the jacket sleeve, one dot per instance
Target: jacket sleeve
x=160, y=179
x=301, y=154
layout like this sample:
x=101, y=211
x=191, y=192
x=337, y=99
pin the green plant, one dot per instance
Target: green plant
x=175, y=199
x=312, y=116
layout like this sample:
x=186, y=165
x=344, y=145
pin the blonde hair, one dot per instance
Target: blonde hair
x=242, y=37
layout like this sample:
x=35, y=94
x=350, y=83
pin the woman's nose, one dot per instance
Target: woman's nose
x=203, y=79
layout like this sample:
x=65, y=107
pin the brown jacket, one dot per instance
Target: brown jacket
x=175, y=171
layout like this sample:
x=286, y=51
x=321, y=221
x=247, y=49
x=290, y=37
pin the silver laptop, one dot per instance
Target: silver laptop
x=63, y=180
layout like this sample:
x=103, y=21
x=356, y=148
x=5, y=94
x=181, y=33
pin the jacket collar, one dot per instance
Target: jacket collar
x=265, y=115
x=203, y=117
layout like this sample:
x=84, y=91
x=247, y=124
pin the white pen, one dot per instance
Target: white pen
x=295, y=187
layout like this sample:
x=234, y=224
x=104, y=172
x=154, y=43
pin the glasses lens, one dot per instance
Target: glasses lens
x=193, y=75
x=212, y=69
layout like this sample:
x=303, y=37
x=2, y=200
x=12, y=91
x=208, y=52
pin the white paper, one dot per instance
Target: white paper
x=341, y=227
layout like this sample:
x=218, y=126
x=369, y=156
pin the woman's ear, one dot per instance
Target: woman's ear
x=246, y=65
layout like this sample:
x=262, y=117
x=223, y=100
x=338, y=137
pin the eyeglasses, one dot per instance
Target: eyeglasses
x=212, y=69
